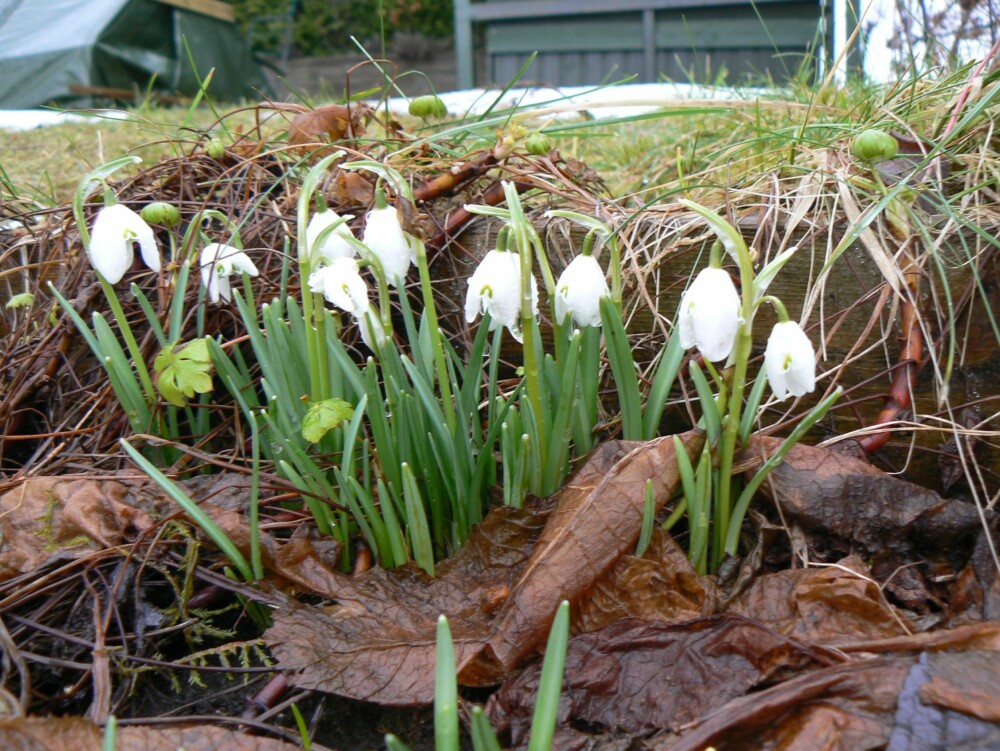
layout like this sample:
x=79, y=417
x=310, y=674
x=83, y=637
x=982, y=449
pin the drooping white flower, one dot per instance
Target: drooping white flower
x=341, y=284
x=116, y=228
x=709, y=315
x=495, y=288
x=790, y=361
x=335, y=244
x=385, y=237
x=579, y=291
x=371, y=328
x=218, y=263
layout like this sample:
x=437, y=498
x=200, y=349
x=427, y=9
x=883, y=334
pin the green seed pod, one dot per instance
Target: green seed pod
x=872, y=146
x=215, y=148
x=428, y=106
x=162, y=213
x=538, y=144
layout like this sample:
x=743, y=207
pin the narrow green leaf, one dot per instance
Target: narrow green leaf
x=416, y=522
x=623, y=369
x=445, y=691
x=648, y=520
x=543, y=724
x=192, y=509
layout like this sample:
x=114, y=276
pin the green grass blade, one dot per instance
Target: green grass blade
x=484, y=738
x=623, y=369
x=445, y=691
x=648, y=520
x=543, y=724
x=663, y=382
x=709, y=409
x=416, y=522
x=192, y=509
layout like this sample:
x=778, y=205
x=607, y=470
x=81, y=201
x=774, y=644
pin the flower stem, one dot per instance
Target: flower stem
x=532, y=357
x=731, y=428
x=133, y=346
x=430, y=313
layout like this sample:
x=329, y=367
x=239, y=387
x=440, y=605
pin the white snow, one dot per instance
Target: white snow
x=30, y=119
x=623, y=100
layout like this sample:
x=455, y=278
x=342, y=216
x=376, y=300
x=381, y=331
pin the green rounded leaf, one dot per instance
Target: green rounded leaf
x=324, y=416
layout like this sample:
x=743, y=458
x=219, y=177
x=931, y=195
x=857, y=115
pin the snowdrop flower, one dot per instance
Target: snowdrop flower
x=495, y=288
x=116, y=228
x=372, y=331
x=709, y=315
x=341, y=284
x=579, y=291
x=335, y=244
x=789, y=361
x=385, y=238
x=218, y=263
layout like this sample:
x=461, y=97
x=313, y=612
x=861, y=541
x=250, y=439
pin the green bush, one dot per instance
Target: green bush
x=322, y=26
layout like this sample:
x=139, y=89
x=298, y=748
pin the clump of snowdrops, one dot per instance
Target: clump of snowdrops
x=403, y=448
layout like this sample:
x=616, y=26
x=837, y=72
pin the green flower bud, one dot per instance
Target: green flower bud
x=428, y=106
x=162, y=213
x=538, y=144
x=215, y=148
x=872, y=146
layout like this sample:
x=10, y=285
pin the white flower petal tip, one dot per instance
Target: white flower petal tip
x=336, y=243
x=115, y=230
x=372, y=331
x=495, y=288
x=709, y=315
x=341, y=284
x=219, y=262
x=790, y=361
x=579, y=291
x=385, y=238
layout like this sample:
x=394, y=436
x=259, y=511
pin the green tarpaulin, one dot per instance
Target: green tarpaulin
x=64, y=51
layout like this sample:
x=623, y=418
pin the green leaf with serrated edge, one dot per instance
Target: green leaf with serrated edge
x=182, y=373
x=323, y=416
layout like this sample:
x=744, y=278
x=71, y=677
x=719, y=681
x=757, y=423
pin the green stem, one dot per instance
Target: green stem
x=731, y=429
x=130, y=342
x=532, y=357
x=430, y=312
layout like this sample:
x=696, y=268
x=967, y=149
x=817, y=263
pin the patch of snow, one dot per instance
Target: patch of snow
x=31, y=119
x=627, y=100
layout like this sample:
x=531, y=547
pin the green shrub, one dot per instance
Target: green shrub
x=322, y=26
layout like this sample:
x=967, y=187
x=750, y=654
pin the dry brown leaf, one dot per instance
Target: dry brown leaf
x=831, y=493
x=75, y=734
x=637, y=676
x=378, y=642
x=661, y=586
x=593, y=527
x=50, y=518
x=822, y=605
x=329, y=123
x=848, y=707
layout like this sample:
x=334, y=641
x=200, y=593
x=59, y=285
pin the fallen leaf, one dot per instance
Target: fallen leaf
x=637, y=676
x=891, y=701
x=838, y=603
x=831, y=493
x=661, y=586
x=592, y=528
x=377, y=643
x=51, y=518
x=74, y=734
x=329, y=123
x=847, y=707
